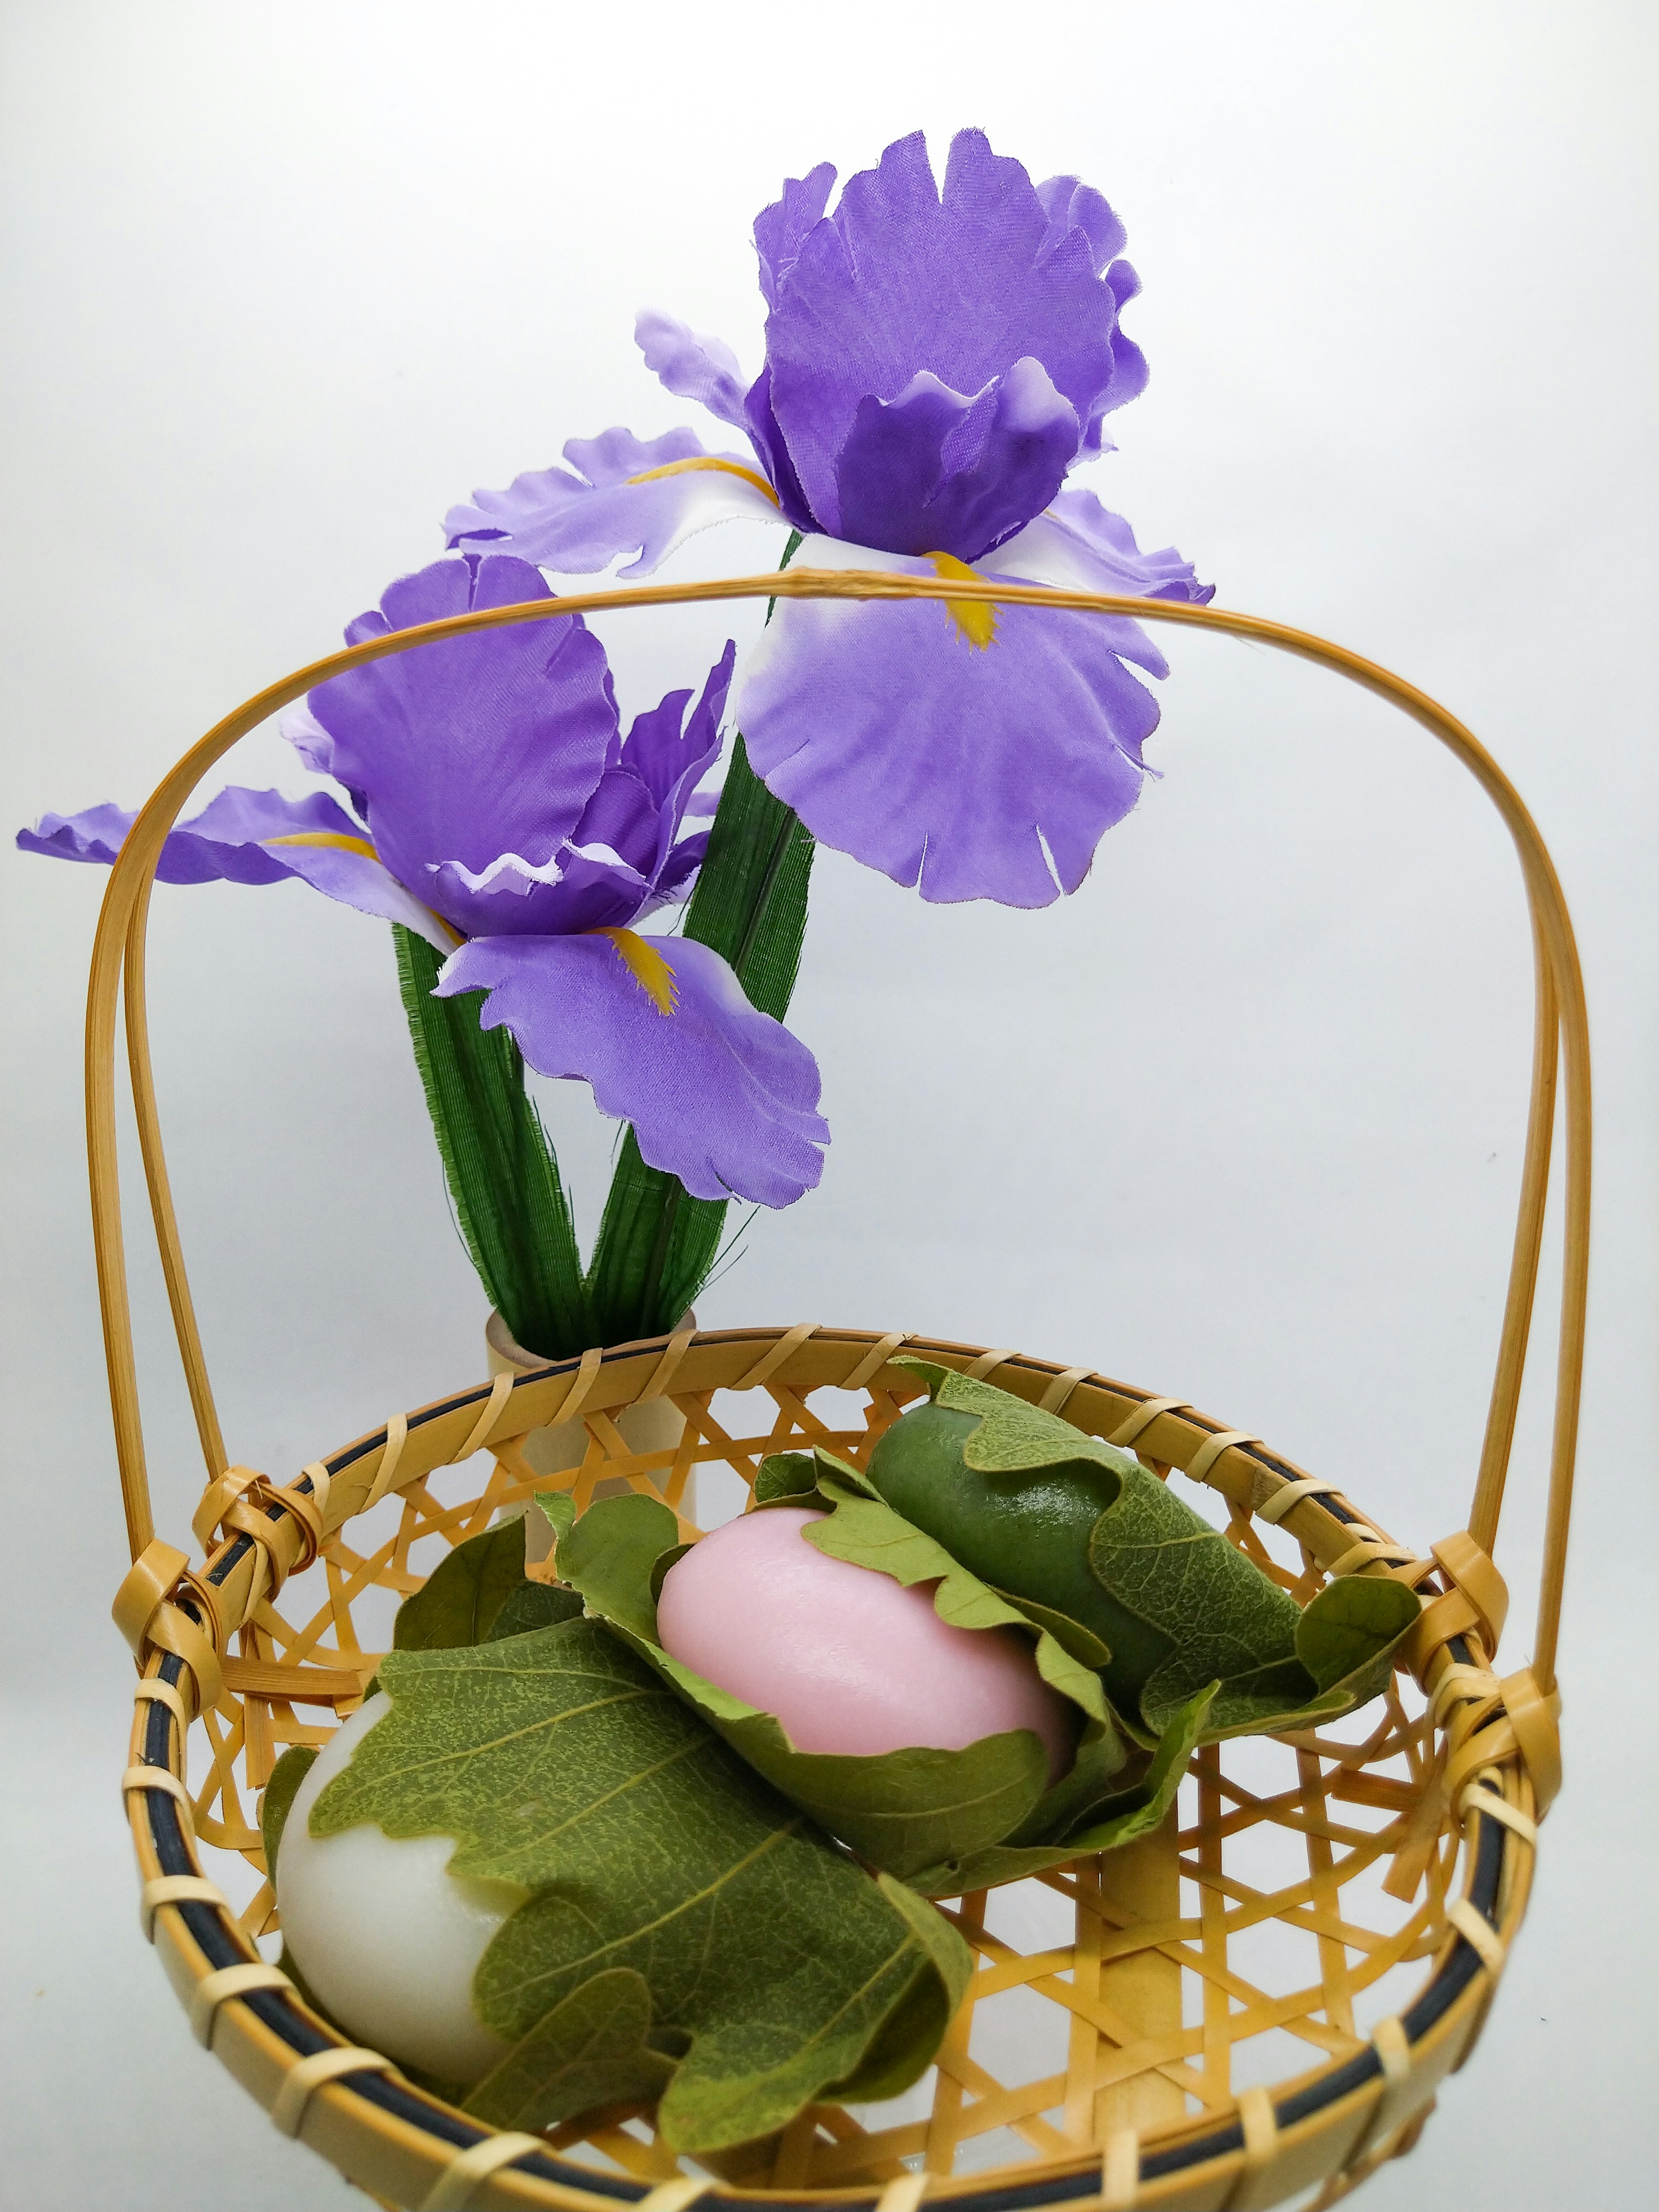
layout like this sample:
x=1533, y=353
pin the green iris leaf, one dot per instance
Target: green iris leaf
x=510, y=1204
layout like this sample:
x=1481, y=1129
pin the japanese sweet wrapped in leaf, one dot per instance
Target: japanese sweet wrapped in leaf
x=1084, y=1538
x=943, y=1813
x=534, y=1874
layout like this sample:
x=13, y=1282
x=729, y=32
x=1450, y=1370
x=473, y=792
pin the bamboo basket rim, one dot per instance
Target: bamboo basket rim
x=1372, y=2101
x=1498, y=1884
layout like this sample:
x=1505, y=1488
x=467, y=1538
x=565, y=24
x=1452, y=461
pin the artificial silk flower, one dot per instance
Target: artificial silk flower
x=937, y=362
x=498, y=810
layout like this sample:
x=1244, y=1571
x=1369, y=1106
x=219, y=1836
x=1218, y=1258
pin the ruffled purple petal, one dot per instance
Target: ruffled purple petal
x=661, y=753
x=904, y=278
x=700, y=749
x=1129, y=371
x=768, y=441
x=580, y=888
x=719, y=1095
x=98, y=833
x=222, y=844
x=473, y=746
x=622, y=816
x=976, y=773
x=577, y=519
x=780, y=228
x=691, y=366
x=614, y=867
x=935, y=471
x=240, y=837
x=681, y=866
x=1070, y=204
x=1083, y=546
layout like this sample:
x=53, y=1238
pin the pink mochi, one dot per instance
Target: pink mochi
x=847, y=1659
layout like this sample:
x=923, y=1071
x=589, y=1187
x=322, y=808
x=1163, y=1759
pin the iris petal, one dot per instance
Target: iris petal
x=973, y=774
x=935, y=470
x=612, y=501
x=691, y=366
x=1083, y=546
x=243, y=836
x=474, y=746
x=719, y=1095
x=962, y=283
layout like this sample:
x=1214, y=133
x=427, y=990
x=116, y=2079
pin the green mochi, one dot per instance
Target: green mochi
x=1074, y=1530
x=1023, y=1530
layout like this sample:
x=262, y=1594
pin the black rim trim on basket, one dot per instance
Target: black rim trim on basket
x=277, y=2011
x=353, y=1452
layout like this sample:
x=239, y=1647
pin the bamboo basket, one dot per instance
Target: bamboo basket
x=1347, y=1895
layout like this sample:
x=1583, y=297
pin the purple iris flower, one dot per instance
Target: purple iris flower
x=937, y=362
x=498, y=810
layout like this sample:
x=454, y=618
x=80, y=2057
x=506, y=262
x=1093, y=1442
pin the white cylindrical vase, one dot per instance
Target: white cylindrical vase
x=656, y=1426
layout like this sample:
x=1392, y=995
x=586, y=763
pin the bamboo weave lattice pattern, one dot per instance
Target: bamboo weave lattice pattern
x=1345, y=1898
x=1123, y=2006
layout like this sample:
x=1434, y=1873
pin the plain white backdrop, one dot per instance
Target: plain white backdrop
x=1241, y=1120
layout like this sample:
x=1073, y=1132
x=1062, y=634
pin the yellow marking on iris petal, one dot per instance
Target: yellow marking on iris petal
x=336, y=838
x=976, y=618
x=706, y=461
x=341, y=843
x=647, y=966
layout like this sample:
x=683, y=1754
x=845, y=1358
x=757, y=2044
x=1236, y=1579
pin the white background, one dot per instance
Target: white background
x=1241, y=1120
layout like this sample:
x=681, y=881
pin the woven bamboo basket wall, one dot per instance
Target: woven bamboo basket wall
x=1257, y=2003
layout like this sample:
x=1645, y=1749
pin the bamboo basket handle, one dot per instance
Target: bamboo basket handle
x=1559, y=1017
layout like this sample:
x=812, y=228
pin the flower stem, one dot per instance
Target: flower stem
x=657, y=1244
x=510, y=1204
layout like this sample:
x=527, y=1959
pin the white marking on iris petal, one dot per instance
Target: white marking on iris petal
x=510, y=871
x=700, y=499
x=1049, y=551
x=608, y=857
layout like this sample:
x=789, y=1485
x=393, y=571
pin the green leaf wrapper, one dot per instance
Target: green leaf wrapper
x=481, y=1591
x=936, y=1818
x=290, y=1769
x=688, y=1933
x=1085, y=1533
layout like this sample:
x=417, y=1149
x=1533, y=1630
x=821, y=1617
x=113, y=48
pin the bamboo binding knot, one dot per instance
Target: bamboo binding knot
x=466, y=2171
x=1120, y=2168
x=178, y=1889
x=1476, y=1603
x=307, y=2076
x=1489, y=1724
x=285, y=1526
x=1259, y=2182
x=161, y=1606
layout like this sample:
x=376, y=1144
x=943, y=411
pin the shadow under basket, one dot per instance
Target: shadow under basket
x=1258, y=2003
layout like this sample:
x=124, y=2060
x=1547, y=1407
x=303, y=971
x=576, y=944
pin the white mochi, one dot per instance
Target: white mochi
x=384, y=1934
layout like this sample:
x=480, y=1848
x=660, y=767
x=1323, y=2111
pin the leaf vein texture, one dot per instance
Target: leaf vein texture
x=688, y=1934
